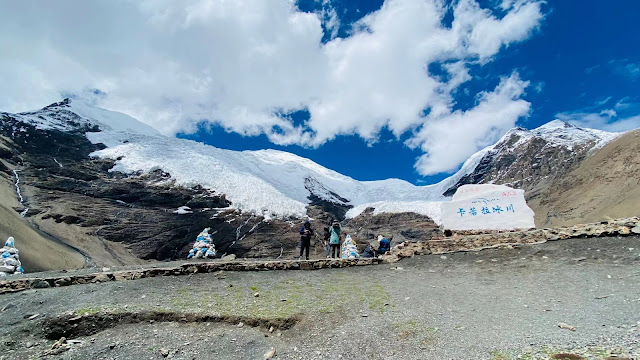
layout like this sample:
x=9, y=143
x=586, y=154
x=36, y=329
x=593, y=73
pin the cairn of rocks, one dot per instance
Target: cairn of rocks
x=10, y=259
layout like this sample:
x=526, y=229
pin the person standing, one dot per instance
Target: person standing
x=327, y=237
x=334, y=241
x=306, y=232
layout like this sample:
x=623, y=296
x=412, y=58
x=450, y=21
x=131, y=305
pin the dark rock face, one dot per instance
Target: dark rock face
x=336, y=207
x=69, y=192
x=71, y=188
x=395, y=227
x=532, y=165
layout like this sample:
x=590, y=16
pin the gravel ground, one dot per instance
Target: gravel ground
x=493, y=304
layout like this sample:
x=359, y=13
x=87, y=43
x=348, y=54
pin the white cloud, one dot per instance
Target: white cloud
x=626, y=118
x=626, y=68
x=240, y=63
x=603, y=101
x=449, y=139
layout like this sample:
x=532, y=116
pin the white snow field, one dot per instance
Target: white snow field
x=269, y=183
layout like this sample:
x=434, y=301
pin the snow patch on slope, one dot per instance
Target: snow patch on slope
x=109, y=120
x=191, y=163
x=69, y=115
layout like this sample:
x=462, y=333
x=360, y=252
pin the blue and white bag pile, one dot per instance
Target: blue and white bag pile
x=349, y=249
x=10, y=259
x=203, y=247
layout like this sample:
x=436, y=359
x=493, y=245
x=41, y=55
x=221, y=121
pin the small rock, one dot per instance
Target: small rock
x=229, y=257
x=40, y=284
x=443, y=257
x=256, y=294
x=164, y=352
x=566, y=326
x=270, y=354
x=105, y=269
x=271, y=329
x=8, y=306
x=636, y=229
x=33, y=316
x=240, y=324
x=580, y=259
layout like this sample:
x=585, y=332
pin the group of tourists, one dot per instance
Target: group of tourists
x=336, y=247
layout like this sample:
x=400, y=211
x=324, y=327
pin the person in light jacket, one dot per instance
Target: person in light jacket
x=334, y=240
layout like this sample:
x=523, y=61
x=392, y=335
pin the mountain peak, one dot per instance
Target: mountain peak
x=75, y=114
x=554, y=125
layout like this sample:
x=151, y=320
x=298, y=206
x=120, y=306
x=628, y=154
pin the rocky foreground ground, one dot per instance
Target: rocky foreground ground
x=577, y=297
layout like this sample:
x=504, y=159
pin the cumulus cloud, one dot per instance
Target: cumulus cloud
x=448, y=139
x=242, y=64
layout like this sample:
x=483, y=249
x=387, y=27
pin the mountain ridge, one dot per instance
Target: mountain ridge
x=113, y=189
x=279, y=181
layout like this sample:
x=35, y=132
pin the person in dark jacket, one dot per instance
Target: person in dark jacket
x=306, y=232
x=327, y=236
x=384, y=245
x=369, y=251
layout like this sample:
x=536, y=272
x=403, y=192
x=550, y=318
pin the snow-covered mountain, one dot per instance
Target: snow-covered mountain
x=530, y=159
x=117, y=191
x=274, y=183
x=266, y=182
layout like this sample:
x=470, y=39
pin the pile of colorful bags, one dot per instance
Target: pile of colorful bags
x=9, y=259
x=203, y=247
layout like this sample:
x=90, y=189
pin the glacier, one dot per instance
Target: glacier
x=268, y=183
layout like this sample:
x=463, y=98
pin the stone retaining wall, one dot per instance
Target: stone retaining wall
x=471, y=242
x=15, y=285
x=479, y=240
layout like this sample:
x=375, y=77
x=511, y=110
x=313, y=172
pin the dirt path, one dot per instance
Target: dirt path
x=494, y=304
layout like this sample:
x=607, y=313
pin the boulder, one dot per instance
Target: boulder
x=481, y=207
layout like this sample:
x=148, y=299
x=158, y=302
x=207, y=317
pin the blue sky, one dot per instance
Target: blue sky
x=403, y=89
x=584, y=57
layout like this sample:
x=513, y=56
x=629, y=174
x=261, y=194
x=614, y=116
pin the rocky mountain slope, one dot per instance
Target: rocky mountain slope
x=533, y=159
x=545, y=162
x=605, y=185
x=111, y=217
x=116, y=191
